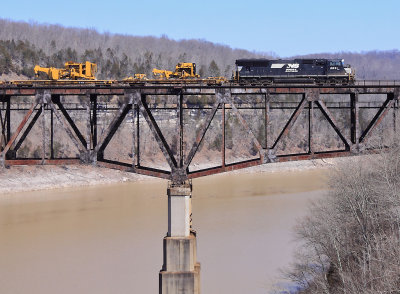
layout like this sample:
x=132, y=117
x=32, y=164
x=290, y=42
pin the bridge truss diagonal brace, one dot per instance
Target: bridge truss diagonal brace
x=56, y=100
x=4, y=124
x=67, y=129
x=379, y=116
x=292, y=120
x=111, y=130
x=155, y=129
x=328, y=115
x=264, y=156
x=201, y=134
x=17, y=132
x=28, y=129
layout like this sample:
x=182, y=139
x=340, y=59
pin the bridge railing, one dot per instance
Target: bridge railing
x=105, y=107
x=377, y=82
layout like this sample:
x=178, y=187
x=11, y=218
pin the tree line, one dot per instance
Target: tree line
x=117, y=56
x=20, y=57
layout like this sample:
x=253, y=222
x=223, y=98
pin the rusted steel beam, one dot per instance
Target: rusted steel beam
x=93, y=121
x=249, y=131
x=223, y=136
x=153, y=172
x=8, y=117
x=310, y=126
x=3, y=137
x=137, y=135
x=316, y=155
x=266, y=119
x=329, y=117
x=221, y=169
x=200, y=135
x=51, y=134
x=4, y=122
x=196, y=89
x=18, y=131
x=162, y=143
x=56, y=100
x=27, y=130
x=354, y=120
x=29, y=161
x=256, y=161
x=112, y=128
x=179, y=127
x=64, y=125
x=139, y=170
x=133, y=119
x=289, y=125
x=43, y=132
x=379, y=116
x=89, y=128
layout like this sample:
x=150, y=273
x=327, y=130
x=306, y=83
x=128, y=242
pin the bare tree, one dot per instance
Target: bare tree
x=351, y=239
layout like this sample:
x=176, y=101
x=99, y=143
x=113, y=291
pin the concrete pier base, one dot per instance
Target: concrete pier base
x=180, y=272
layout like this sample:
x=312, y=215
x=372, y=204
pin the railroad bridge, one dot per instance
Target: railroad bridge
x=272, y=123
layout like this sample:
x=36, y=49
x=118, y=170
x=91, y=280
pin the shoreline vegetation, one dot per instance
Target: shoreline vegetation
x=350, y=239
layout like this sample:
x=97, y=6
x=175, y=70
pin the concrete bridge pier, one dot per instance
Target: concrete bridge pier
x=180, y=272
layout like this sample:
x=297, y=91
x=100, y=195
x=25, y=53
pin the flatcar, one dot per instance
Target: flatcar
x=304, y=71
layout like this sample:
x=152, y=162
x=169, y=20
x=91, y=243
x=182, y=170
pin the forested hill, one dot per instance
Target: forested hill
x=23, y=45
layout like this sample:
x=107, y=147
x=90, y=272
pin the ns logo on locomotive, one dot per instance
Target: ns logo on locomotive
x=307, y=71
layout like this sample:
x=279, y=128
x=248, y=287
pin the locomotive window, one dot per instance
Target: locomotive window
x=335, y=63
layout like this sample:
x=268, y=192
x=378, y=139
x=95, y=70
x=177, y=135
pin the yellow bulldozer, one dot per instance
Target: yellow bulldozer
x=183, y=70
x=72, y=71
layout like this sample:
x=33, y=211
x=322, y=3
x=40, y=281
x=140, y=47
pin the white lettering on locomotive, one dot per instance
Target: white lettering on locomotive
x=292, y=67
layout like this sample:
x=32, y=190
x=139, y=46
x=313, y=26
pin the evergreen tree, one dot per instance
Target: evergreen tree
x=213, y=69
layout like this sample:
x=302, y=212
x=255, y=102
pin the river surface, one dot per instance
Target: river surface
x=108, y=239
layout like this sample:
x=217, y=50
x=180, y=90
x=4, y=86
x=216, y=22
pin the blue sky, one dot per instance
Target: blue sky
x=286, y=27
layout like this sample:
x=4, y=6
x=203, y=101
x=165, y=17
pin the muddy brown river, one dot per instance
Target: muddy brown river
x=108, y=239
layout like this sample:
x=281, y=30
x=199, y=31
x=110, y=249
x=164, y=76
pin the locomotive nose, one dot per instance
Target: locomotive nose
x=348, y=70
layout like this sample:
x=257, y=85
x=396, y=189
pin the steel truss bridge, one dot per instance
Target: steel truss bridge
x=191, y=109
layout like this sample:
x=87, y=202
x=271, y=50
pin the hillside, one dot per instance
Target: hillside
x=22, y=45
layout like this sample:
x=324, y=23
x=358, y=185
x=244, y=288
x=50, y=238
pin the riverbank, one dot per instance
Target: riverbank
x=31, y=178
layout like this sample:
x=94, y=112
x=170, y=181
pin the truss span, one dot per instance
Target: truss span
x=184, y=131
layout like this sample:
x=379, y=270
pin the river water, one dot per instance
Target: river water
x=108, y=239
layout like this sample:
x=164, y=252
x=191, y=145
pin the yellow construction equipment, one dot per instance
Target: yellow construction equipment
x=162, y=74
x=140, y=76
x=183, y=70
x=72, y=71
x=135, y=78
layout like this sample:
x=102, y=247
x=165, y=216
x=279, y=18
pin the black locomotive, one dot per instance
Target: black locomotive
x=315, y=71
